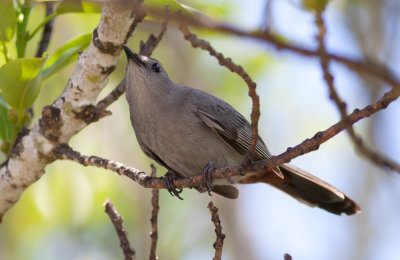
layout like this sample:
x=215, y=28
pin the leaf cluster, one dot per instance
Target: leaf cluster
x=21, y=77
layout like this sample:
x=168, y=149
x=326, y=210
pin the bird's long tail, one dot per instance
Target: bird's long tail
x=310, y=190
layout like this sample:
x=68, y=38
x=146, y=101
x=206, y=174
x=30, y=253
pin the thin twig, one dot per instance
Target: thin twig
x=219, y=242
x=147, y=48
x=287, y=256
x=378, y=70
x=228, y=63
x=47, y=31
x=154, y=217
x=373, y=156
x=117, y=221
x=267, y=21
x=110, y=98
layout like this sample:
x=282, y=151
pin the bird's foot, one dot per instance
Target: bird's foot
x=207, y=172
x=169, y=178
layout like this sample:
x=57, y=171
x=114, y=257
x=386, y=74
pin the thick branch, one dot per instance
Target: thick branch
x=74, y=108
x=117, y=221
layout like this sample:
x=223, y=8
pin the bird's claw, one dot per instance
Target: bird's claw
x=169, y=182
x=207, y=172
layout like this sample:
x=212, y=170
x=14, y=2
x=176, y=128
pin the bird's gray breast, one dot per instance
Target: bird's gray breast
x=171, y=130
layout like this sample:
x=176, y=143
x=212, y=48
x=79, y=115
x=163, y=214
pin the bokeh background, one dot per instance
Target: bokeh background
x=61, y=216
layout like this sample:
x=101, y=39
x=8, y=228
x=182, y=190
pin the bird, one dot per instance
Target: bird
x=189, y=131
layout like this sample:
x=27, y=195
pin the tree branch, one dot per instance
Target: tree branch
x=47, y=31
x=373, y=156
x=154, y=217
x=147, y=48
x=372, y=68
x=117, y=221
x=219, y=242
x=73, y=109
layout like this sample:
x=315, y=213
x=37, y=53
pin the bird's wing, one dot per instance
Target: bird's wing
x=234, y=129
x=229, y=124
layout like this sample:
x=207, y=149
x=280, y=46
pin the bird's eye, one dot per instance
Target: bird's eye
x=156, y=67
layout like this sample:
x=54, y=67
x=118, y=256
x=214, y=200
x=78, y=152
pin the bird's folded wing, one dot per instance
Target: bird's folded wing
x=234, y=129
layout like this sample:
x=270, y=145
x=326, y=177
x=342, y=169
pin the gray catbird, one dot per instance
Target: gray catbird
x=186, y=130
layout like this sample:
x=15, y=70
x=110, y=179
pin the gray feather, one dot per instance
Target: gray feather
x=229, y=125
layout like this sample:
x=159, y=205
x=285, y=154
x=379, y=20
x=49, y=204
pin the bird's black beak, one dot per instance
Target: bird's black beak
x=133, y=56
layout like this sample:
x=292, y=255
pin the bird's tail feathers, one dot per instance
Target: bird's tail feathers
x=309, y=190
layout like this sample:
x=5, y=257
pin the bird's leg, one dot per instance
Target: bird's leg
x=207, y=172
x=169, y=178
x=247, y=161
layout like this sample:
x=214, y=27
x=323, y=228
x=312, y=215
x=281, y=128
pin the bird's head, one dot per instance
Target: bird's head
x=145, y=72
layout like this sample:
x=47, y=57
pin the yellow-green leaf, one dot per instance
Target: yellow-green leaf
x=6, y=127
x=79, y=6
x=66, y=54
x=20, y=81
x=8, y=20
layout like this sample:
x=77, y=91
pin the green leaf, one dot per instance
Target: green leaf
x=8, y=20
x=91, y=7
x=78, y=6
x=20, y=81
x=66, y=54
x=6, y=126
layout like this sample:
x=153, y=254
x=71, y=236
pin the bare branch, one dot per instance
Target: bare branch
x=117, y=221
x=219, y=242
x=154, y=217
x=147, y=48
x=373, y=156
x=378, y=70
x=63, y=151
x=228, y=63
x=110, y=98
x=47, y=31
